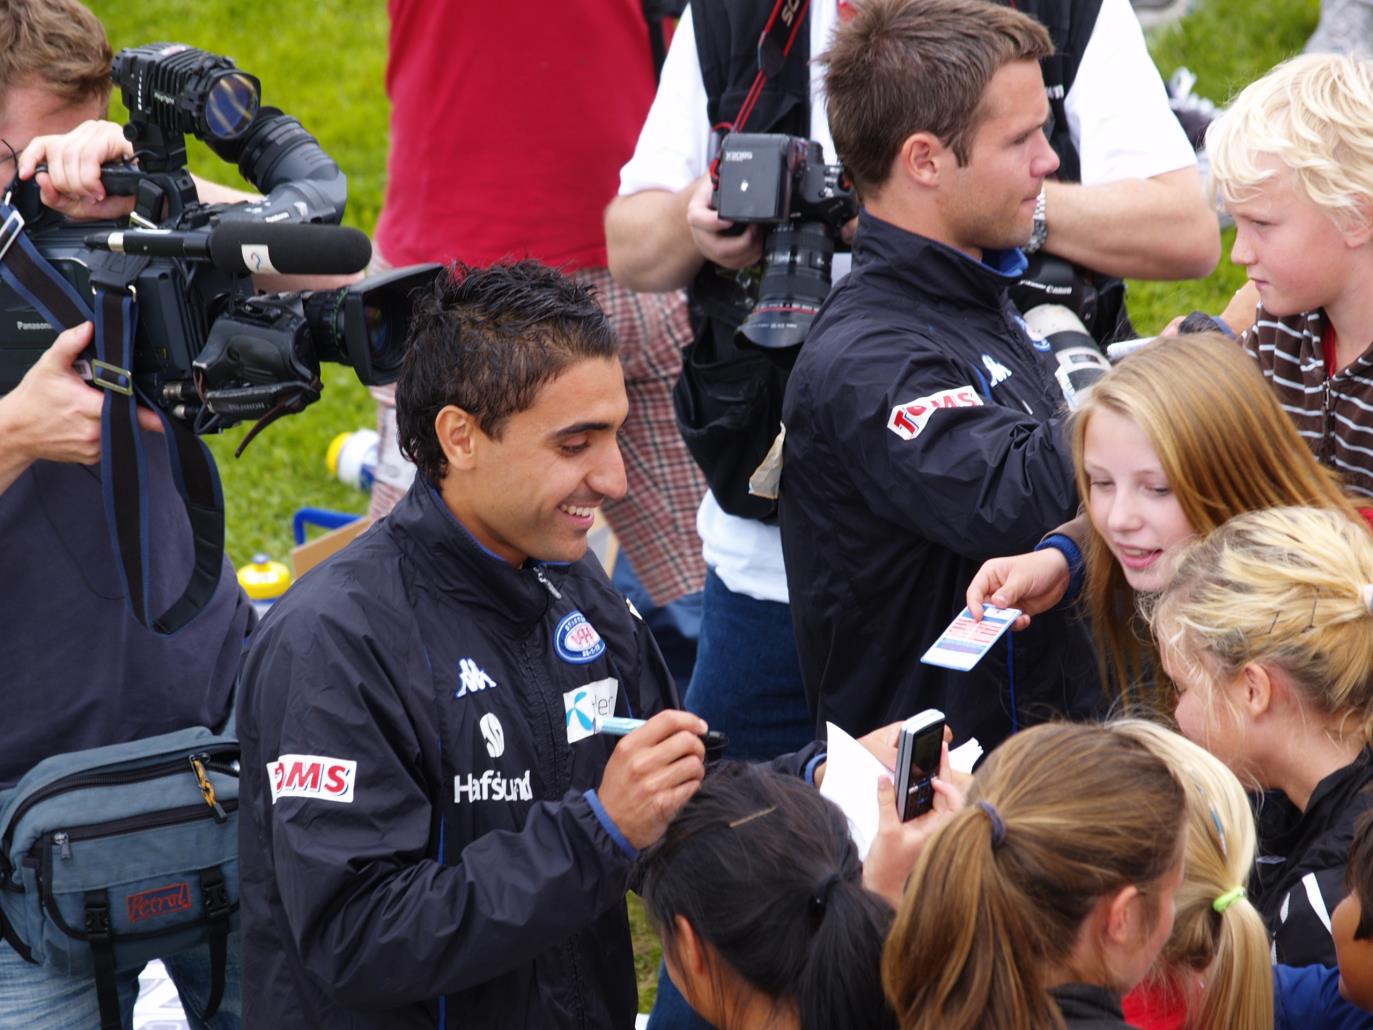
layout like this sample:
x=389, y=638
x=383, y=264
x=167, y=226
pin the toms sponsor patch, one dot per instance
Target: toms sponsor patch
x=577, y=641
x=584, y=705
x=907, y=420
x=491, y=786
x=312, y=776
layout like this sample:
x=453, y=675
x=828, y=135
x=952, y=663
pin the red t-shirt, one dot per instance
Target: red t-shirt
x=510, y=121
x=1154, y=1006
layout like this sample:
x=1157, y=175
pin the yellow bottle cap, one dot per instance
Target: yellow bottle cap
x=335, y=448
x=264, y=579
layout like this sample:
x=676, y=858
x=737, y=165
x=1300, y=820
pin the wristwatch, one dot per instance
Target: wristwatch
x=1040, y=232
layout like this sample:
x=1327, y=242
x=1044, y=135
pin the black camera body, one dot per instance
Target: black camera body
x=206, y=349
x=783, y=181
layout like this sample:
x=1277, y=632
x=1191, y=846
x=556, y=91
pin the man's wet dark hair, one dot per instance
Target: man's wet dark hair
x=1358, y=874
x=487, y=340
x=763, y=869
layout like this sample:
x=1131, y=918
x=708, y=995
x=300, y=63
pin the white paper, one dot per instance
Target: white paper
x=851, y=775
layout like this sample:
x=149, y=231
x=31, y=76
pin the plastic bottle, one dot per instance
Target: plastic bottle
x=352, y=457
x=264, y=580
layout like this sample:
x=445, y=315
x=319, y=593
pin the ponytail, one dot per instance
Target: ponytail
x=1217, y=933
x=839, y=983
x=1063, y=816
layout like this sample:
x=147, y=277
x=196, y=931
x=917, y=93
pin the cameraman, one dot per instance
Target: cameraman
x=1135, y=209
x=80, y=671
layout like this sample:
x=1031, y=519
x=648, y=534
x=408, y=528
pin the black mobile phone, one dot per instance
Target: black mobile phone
x=917, y=760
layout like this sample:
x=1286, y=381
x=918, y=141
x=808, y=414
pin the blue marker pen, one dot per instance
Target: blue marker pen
x=619, y=726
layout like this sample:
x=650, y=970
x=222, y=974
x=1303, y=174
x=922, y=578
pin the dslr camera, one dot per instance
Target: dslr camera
x=783, y=182
x=207, y=349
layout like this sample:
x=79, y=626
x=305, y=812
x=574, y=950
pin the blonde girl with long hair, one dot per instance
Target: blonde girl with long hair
x=1214, y=971
x=1168, y=445
x=1266, y=630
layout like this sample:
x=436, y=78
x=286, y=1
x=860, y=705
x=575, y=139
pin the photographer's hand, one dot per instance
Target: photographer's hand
x=709, y=231
x=53, y=414
x=72, y=183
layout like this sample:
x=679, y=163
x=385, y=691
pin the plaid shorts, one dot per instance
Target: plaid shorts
x=655, y=522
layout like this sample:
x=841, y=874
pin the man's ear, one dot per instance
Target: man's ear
x=922, y=159
x=459, y=436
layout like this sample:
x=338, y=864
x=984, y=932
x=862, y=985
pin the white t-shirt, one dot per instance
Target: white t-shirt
x=1131, y=134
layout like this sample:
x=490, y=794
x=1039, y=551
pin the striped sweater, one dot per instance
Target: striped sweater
x=1334, y=414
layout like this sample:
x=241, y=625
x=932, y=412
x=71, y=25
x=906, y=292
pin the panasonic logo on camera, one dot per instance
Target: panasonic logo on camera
x=32, y=325
x=492, y=786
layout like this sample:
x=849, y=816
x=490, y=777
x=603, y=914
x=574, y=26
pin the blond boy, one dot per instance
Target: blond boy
x=1292, y=159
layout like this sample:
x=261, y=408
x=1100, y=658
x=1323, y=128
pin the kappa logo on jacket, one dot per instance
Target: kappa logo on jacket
x=908, y=420
x=312, y=776
x=577, y=641
x=999, y=372
x=472, y=678
x=584, y=705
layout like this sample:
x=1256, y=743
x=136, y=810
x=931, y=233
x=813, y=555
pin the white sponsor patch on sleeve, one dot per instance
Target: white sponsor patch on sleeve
x=907, y=420
x=312, y=776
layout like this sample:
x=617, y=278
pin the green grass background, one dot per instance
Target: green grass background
x=324, y=62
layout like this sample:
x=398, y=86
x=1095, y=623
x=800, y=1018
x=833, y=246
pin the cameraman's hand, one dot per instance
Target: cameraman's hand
x=651, y=774
x=1032, y=582
x=708, y=230
x=897, y=845
x=72, y=183
x=53, y=414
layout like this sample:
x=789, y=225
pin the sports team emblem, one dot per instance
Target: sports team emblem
x=577, y=641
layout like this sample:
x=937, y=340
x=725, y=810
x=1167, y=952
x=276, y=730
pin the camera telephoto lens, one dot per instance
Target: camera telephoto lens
x=796, y=279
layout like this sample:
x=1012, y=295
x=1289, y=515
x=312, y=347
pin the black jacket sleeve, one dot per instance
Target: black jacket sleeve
x=932, y=453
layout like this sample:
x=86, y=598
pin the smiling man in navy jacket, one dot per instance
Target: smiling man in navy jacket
x=923, y=429
x=436, y=835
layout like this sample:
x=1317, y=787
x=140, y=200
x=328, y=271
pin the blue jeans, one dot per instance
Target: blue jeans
x=33, y=998
x=747, y=680
x=747, y=683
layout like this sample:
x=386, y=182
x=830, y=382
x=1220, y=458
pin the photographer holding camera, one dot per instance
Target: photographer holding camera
x=80, y=671
x=1127, y=201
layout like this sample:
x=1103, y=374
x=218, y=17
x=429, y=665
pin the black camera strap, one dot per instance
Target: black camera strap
x=122, y=458
x=784, y=24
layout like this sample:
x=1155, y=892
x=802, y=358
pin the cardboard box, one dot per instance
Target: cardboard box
x=312, y=552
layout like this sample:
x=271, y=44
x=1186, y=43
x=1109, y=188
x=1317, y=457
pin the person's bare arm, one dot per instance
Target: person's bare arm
x=657, y=240
x=1157, y=228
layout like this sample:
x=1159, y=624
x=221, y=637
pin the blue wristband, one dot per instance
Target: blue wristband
x=811, y=766
x=603, y=817
x=1076, y=567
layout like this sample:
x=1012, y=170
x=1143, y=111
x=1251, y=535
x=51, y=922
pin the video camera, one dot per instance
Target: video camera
x=783, y=181
x=206, y=349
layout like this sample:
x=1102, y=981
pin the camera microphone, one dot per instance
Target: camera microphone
x=251, y=247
